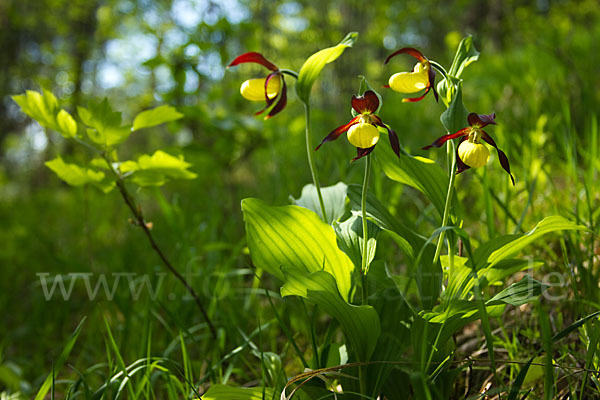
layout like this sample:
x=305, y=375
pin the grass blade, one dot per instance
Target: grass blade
x=547, y=346
x=516, y=386
x=57, y=366
x=119, y=358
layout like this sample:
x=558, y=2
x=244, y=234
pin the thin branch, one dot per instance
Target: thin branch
x=139, y=218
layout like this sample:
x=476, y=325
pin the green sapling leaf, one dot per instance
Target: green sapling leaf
x=104, y=124
x=77, y=175
x=156, y=116
x=157, y=169
x=43, y=107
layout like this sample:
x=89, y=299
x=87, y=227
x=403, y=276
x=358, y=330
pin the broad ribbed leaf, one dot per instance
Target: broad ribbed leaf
x=223, y=392
x=420, y=173
x=494, y=259
x=313, y=66
x=408, y=240
x=461, y=308
x=350, y=239
x=519, y=293
x=360, y=324
x=507, y=246
x=156, y=116
x=455, y=316
x=460, y=281
x=334, y=199
x=294, y=238
x=427, y=274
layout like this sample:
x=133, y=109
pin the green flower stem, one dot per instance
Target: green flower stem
x=440, y=242
x=452, y=170
x=289, y=72
x=362, y=373
x=311, y=162
x=440, y=68
x=363, y=206
x=362, y=379
x=139, y=220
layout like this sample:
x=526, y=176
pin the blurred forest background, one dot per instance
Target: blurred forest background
x=537, y=70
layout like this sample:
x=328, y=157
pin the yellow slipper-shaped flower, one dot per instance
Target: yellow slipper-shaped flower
x=363, y=135
x=471, y=153
x=475, y=155
x=362, y=129
x=254, y=89
x=411, y=82
x=422, y=76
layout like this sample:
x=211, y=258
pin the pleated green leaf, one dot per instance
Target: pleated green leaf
x=223, y=392
x=410, y=242
x=507, y=246
x=360, y=324
x=334, y=198
x=519, y=293
x=420, y=173
x=428, y=275
x=460, y=282
x=294, y=238
x=350, y=239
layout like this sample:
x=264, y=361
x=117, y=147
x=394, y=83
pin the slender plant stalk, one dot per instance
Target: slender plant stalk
x=440, y=242
x=311, y=161
x=363, y=206
x=362, y=373
x=362, y=379
x=434, y=348
x=489, y=209
x=139, y=220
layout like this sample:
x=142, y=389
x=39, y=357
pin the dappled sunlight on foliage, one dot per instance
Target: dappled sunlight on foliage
x=169, y=231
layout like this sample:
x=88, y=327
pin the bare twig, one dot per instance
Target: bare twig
x=139, y=219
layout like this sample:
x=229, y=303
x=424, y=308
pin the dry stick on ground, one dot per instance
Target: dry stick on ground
x=139, y=219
